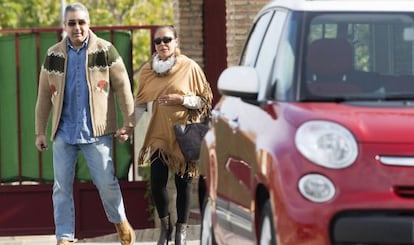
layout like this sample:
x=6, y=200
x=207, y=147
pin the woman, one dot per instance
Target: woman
x=173, y=88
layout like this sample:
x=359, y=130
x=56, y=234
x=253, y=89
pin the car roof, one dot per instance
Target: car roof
x=343, y=5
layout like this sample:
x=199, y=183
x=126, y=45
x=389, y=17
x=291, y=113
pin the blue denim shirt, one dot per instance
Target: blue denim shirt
x=75, y=125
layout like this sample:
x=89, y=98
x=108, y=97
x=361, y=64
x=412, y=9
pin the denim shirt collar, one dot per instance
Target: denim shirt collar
x=85, y=43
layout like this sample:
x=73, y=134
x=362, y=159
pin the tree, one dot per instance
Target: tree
x=29, y=13
x=47, y=13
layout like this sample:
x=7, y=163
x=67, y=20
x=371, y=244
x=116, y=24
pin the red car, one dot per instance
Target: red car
x=312, y=141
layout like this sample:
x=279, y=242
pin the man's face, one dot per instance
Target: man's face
x=77, y=27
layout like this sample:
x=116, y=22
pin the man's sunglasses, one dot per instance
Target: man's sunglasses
x=165, y=40
x=74, y=22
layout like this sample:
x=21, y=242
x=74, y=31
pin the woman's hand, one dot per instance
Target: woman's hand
x=171, y=99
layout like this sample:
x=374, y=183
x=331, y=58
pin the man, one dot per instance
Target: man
x=78, y=82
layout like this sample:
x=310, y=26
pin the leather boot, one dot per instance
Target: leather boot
x=165, y=232
x=125, y=233
x=180, y=234
x=64, y=242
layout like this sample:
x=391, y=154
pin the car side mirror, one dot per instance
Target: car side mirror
x=239, y=81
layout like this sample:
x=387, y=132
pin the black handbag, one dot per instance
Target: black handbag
x=189, y=138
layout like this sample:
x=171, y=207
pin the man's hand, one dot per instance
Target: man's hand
x=123, y=134
x=41, y=142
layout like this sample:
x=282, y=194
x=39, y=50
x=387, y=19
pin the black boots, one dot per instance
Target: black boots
x=180, y=234
x=165, y=232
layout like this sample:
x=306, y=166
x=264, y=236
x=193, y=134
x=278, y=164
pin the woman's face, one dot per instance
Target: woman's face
x=165, y=43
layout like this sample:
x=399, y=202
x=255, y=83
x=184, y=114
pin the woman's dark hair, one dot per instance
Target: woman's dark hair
x=171, y=28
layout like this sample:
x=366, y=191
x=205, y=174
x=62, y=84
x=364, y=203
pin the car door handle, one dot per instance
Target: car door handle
x=234, y=125
x=215, y=114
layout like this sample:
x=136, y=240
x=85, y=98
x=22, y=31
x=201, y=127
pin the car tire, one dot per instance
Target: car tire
x=267, y=231
x=206, y=233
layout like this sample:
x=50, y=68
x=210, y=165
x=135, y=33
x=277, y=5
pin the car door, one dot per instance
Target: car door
x=237, y=127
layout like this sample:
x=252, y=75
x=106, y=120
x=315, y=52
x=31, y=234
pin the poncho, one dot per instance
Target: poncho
x=185, y=78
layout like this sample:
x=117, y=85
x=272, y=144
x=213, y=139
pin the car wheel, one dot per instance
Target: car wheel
x=206, y=234
x=267, y=231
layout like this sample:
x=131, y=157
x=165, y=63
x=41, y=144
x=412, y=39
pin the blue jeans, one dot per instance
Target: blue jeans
x=98, y=156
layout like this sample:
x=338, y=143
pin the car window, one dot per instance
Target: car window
x=284, y=67
x=255, y=40
x=359, y=56
x=268, y=51
x=377, y=40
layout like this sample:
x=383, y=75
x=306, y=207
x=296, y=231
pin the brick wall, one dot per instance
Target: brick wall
x=240, y=14
x=189, y=23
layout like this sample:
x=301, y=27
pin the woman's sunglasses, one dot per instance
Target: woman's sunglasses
x=165, y=40
x=74, y=22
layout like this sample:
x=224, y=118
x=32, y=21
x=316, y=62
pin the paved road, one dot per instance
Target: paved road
x=144, y=237
x=140, y=243
x=37, y=241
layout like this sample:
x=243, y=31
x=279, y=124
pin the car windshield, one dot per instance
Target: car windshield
x=359, y=56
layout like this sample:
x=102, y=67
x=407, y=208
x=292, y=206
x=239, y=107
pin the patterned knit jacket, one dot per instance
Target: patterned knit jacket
x=107, y=78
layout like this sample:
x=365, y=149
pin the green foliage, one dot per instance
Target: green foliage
x=130, y=12
x=47, y=13
x=29, y=13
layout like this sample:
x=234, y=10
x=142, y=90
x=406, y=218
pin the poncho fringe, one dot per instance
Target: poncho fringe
x=174, y=163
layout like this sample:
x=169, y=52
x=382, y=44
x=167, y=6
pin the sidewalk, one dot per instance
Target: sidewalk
x=144, y=237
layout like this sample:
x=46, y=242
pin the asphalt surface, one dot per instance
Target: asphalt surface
x=144, y=237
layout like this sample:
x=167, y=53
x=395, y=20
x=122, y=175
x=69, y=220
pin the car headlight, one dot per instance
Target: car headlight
x=316, y=187
x=327, y=144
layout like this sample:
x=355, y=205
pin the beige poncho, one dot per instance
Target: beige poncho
x=185, y=78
